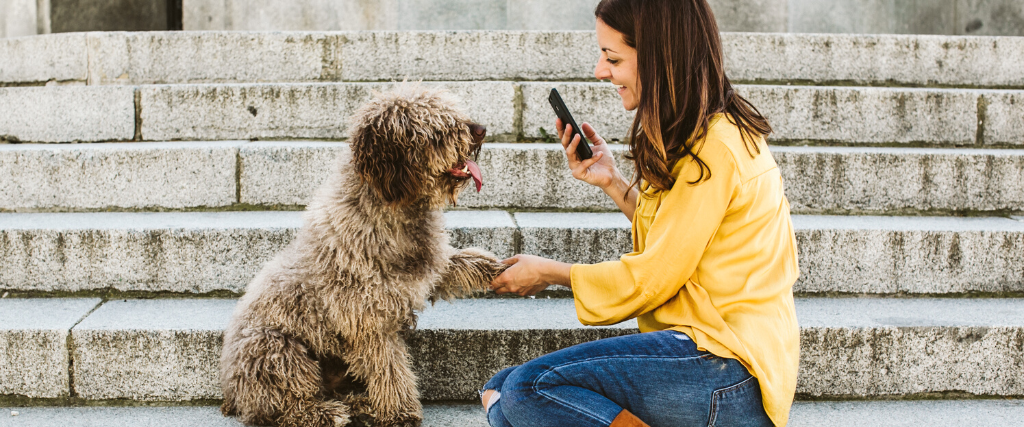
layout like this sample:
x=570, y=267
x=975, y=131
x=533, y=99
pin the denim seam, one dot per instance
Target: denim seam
x=555, y=399
x=552, y=369
x=717, y=394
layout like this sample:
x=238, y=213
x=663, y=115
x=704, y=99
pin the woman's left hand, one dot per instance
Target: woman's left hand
x=529, y=275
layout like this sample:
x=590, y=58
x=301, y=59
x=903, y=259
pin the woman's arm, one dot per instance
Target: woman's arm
x=530, y=274
x=599, y=170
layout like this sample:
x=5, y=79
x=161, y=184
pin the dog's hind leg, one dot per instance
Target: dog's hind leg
x=275, y=382
x=469, y=270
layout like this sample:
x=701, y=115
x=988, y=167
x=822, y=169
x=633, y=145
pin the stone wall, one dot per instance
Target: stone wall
x=259, y=15
x=18, y=18
x=949, y=17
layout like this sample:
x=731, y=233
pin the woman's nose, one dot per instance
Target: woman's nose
x=601, y=71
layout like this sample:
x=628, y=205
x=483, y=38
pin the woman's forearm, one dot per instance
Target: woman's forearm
x=623, y=194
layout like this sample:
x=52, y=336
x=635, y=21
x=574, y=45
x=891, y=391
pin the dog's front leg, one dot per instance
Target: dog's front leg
x=469, y=270
x=382, y=360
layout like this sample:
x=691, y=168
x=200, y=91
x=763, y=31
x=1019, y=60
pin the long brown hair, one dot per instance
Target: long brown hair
x=682, y=84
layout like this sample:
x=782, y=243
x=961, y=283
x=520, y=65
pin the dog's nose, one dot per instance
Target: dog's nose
x=478, y=131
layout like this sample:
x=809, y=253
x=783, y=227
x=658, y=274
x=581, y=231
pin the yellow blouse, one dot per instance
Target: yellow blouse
x=716, y=261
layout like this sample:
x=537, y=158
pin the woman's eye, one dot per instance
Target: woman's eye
x=613, y=61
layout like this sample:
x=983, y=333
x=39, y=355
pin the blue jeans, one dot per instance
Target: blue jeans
x=660, y=377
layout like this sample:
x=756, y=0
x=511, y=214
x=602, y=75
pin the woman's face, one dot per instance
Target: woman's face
x=618, y=64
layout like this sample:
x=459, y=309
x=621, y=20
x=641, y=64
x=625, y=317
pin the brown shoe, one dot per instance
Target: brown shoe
x=627, y=419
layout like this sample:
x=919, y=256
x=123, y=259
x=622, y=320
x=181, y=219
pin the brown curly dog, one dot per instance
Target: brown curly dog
x=318, y=337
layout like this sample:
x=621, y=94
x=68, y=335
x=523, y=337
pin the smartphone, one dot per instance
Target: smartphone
x=583, y=150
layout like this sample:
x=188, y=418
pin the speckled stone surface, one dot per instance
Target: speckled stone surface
x=859, y=59
x=303, y=111
x=150, y=350
x=67, y=114
x=117, y=176
x=797, y=113
x=34, y=345
x=937, y=413
x=851, y=347
x=34, y=59
x=190, y=253
x=863, y=180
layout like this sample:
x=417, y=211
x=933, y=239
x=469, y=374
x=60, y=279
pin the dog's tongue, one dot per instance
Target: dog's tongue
x=474, y=170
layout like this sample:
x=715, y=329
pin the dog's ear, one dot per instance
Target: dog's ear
x=385, y=164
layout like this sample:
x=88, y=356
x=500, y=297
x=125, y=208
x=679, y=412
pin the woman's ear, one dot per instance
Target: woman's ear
x=385, y=165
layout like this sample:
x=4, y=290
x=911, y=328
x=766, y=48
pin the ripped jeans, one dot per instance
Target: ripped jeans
x=660, y=377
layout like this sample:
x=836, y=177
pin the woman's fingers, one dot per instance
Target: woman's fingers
x=564, y=135
x=583, y=168
x=591, y=134
x=558, y=127
x=570, y=150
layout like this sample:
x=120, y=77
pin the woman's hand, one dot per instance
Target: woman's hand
x=529, y=275
x=599, y=170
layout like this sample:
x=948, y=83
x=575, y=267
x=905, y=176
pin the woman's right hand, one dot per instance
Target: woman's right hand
x=599, y=170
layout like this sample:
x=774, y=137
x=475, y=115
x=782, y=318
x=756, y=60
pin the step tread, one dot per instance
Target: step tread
x=468, y=219
x=203, y=252
x=44, y=313
x=931, y=413
x=541, y=313
x=206, y=220
x=168, y=350
x=284, y=174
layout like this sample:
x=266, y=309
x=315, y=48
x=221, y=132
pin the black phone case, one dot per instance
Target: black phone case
x=583, y=148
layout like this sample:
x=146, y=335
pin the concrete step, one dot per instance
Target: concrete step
x=923, y=413
x=510, y=110
x=168, y=350
x=274, y=175
x=149, y=254
x=244, y=57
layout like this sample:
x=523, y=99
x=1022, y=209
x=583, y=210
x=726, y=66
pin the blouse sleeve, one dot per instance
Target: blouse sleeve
x=683, y=226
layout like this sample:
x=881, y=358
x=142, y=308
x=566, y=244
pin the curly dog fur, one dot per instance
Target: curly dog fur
x=318, y=337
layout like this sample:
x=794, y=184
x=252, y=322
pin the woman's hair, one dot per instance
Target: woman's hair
x=681, y=82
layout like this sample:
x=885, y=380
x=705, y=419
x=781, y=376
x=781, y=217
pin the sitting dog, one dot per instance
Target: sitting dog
x=325, y=319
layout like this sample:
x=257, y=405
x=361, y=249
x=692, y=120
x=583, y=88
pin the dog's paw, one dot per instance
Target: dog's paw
x=333, y=413
x=408, y=420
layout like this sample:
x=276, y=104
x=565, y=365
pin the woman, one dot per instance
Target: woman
x=714, y=261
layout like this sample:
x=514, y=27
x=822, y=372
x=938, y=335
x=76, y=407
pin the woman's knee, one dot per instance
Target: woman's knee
x=496, y=381
x=524, y=384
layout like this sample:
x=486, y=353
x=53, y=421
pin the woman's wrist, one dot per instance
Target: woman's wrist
x=617, y=187
x=556, y=273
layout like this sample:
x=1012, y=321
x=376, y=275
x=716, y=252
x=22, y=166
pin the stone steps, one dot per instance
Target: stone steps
x=219, y=252
x=241, y=57
x=168, y=350
x=272, y=175
x=511, y=111
x=931, y=413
